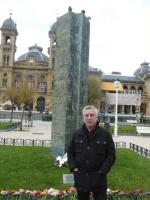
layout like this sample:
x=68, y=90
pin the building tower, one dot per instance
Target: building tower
x=8, y=42
x=7, y=51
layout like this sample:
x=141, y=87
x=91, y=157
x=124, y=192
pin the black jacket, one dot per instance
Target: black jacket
x=93, y=154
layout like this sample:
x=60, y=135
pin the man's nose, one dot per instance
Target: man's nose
x=89, y=116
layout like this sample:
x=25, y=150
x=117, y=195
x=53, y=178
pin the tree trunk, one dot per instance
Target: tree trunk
x=22, y=119
x=12, y=110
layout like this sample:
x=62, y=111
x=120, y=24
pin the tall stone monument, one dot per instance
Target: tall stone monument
x=70, y=46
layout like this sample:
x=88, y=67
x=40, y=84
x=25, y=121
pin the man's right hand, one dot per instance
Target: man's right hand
x=75, y=169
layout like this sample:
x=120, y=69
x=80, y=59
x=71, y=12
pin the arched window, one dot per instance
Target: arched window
x=125, y=89
x=140, y=90
x=133, y=90
x=4, y=83
x=17, y=81
x=41, y=104
x=7, y=39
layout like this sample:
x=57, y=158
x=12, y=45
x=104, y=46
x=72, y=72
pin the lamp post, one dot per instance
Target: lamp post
x=116, y=85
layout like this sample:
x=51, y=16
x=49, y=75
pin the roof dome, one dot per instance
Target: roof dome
x=9, y=23
x=145, y=68
x=34, y=52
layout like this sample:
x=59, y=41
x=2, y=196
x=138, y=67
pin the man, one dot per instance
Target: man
x=91, y=154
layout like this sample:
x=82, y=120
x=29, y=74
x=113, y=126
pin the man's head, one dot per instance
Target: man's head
x=90, y=116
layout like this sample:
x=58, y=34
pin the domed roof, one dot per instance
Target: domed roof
x=34, y=52
x=145, y=68
x=9, y=23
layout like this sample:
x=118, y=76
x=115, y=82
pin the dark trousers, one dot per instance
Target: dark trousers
x=96, y=195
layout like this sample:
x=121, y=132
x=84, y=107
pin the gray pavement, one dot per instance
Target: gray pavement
x=143, y=141
x=42, y=130
x=39, y=130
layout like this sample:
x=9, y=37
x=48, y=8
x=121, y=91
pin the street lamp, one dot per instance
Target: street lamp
x=116, y=85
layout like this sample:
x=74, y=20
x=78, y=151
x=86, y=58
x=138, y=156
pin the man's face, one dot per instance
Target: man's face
x=90, y=118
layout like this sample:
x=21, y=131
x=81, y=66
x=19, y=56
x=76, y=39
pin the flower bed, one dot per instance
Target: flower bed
x=68, y=194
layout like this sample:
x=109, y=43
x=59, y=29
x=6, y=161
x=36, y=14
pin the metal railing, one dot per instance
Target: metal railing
x=140, y=150
x=120, y=144
x=25, y=142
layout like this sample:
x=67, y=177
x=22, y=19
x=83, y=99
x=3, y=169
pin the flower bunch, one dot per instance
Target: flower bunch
x=45, y=192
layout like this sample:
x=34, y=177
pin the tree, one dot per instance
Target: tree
x=12, y=95
x=25, y=98
x=94, y=91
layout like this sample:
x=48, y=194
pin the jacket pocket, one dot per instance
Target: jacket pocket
x=100, y=146
x=78, y=146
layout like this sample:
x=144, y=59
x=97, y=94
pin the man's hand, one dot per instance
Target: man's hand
x=75, y=169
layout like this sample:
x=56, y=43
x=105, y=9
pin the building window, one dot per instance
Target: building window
x=42, y=84
x=140, y=90
x=4, y=83
x=17, y=81
x=6, y=60
x=30, y=81
x=133, y=90
x=125, y=89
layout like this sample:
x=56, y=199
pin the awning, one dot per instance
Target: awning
x=109, y=86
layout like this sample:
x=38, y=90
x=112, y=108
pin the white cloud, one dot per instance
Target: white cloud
x=120, y=33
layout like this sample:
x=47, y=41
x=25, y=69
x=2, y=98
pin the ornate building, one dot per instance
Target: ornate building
x=37, y=69
x=33, y=66
x=134, y=93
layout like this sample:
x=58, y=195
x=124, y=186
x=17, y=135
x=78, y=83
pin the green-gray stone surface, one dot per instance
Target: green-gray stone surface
x=70, y=78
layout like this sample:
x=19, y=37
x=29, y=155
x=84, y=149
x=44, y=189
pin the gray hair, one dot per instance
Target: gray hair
x=90, y=107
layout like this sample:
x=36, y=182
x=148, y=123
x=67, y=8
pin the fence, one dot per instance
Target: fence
x=25, y=142
x=38, y=142
x=120, y=144
x=140, y=150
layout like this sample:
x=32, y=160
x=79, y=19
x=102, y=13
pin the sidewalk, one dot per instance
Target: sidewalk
x=143, y=141
x=40, y=130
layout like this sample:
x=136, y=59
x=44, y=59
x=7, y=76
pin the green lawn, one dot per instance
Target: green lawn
x=124, y=130
x=4, y=125
x=32, y=168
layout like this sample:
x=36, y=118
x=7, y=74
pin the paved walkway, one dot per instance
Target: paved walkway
x=42, y=130
x=143, y=141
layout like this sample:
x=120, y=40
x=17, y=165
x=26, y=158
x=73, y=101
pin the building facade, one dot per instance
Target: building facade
x=33, y=66
x=133, y=93
x=38, y=70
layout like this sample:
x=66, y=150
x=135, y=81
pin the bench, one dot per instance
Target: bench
x=143, y=130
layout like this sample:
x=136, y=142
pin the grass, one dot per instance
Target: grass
x=130, y=171
x=28, y=167
x=4, y=125
x=32, y=168
x=125, y=130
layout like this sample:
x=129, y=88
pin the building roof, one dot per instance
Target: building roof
x=34, y=52
x=144, y=69
x=9, y=24
x=114, y=77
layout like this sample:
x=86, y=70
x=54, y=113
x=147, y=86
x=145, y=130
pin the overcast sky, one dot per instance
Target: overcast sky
x=119, y=33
